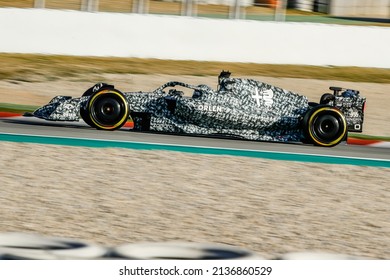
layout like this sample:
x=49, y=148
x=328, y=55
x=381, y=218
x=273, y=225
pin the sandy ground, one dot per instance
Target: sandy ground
x=115, y=196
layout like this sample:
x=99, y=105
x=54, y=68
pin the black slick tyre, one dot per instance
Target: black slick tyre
x=85, y=116
x=107, y=109
x=325, y=126
x=84, y=110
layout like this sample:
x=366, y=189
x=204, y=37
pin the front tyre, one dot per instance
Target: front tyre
x=107, y=109
x=84, y=114
x=325, y=126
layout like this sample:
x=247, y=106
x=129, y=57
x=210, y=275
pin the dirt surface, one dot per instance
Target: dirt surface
x=116, y=196
x=129, y=196
x=377, y=113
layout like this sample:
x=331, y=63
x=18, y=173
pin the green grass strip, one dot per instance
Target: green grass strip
x=369, y=137
x=16, y=108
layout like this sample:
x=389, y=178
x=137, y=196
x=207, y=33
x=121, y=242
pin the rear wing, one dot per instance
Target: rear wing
x=352, y=105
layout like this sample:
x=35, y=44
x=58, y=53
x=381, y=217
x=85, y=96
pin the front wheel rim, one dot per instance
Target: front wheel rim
x=108, y=109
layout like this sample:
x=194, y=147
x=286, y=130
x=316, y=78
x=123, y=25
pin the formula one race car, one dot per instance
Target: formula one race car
x=240, y=108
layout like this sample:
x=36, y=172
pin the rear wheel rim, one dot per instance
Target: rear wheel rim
x=327, y=127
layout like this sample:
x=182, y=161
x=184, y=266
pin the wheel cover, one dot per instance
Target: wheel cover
x=108, y=109
x=327, y=126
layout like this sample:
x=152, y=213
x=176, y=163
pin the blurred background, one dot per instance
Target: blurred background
x=263, y=212
x=332, y=11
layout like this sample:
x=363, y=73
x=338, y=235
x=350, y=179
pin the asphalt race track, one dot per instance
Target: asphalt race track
x=79, y=130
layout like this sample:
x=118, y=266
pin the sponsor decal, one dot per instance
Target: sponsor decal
x=97, y=87
x=210, y=108
x=354, y=114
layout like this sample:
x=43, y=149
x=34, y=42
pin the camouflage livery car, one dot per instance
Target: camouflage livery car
x=240, y=108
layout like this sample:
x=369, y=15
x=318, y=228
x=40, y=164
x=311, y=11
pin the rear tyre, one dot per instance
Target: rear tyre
x=107, y=109
x=325, y=126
